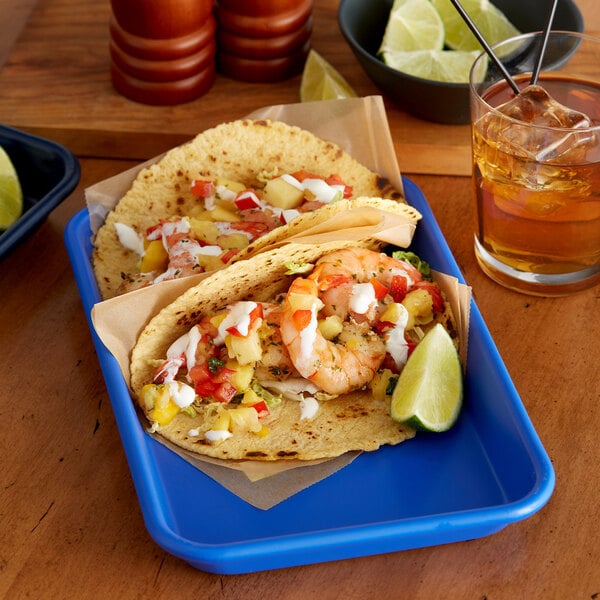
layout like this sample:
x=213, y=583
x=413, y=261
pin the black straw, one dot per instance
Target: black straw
x=486, y=46
x=538, y=64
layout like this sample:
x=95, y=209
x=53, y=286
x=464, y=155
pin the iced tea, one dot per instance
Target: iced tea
x=539, y=214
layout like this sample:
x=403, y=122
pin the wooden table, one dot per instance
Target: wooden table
x=70, y=523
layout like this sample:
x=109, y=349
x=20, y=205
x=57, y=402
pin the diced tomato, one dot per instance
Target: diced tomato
x=227, y=256
x=152, y=229
x=200, y=373
x=222, y=375
x=398, y=288
x=202, y=189
x=261, y=408
x=334, y=180
x=337, y=180
x=224, y=392
x=246, y=200
x=255, y=313
x=302, y=318
x=381, y=327
x=389, y=363
x=381, y=290
x=411, y=346
x=310, y=205
x=252, y=227
x=212, y=385
x=205, y=388
x=302, y=175
x=434, y=292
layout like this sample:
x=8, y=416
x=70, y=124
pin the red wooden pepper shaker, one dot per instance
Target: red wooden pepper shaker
x=162, y=51
x=263, y=40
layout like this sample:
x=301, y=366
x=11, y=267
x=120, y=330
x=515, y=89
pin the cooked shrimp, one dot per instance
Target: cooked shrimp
x=337, y=366
x=345, y=280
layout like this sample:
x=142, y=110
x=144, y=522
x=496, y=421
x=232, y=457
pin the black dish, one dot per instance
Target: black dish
x=362, y=23
x=48, y=173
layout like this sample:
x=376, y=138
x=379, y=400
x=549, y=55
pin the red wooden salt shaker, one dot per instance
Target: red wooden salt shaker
x=263, y=40
x=162, y=51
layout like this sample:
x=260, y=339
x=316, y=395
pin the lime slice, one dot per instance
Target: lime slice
x=450, y=66
x=11, y=196
x=320, y=81
x=428, y=395
x=490, y=20
x=412, y=25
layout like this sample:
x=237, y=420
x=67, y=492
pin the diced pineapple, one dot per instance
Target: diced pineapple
x=393, y=313
x=148, y=396
x=380, y=384
x=204, y=230
x=352, y=342
x=241, y=378
x=419, y=305
x=250, y=397
x=264, y=431
x=222, y=422
x=330, y=327
x=278, y=192
x=217, y=319
x=244, y=418
x=209, y=262
x=220, y=213
x=157, y=401
x=233, y=240
x=235, y=187
x=303, y=301
x=245, y=349
x=155, y=257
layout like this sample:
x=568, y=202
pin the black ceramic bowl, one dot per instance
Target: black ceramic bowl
x=48, y=173
x=362, y=23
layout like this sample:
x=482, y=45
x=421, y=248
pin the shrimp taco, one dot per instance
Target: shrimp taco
x=232, y=190
x=291, y=354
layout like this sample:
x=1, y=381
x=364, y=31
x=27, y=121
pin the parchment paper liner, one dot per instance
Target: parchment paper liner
x=359, y=126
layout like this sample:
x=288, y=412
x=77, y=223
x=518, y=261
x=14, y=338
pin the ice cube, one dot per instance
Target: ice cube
x=548, y=140
x=535, y=105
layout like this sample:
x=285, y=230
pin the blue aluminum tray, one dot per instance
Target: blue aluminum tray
x=48, y=173
x=490, y=470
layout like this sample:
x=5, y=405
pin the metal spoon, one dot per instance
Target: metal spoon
x=538, y=63
x=467, y=19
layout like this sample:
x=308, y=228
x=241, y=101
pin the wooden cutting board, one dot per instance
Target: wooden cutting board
x=55, y=82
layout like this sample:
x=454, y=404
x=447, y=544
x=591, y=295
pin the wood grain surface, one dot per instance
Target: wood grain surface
x=62, y=54
x=71, y=525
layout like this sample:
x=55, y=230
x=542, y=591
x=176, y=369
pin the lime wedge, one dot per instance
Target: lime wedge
x=320, y=81
x=490, y=20
x=429, y=392
x=412, y=25
x=450, y=66
x=11, y=195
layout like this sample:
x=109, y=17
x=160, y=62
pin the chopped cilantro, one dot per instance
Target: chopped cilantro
x=392, y=381
x=214, y=364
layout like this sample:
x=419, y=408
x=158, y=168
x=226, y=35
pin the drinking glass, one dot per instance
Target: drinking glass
x=536, y=164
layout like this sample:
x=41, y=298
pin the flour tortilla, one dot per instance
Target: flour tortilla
x=350, y=422
x=239, y=150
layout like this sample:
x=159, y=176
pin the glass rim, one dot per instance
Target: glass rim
x=474, y=92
